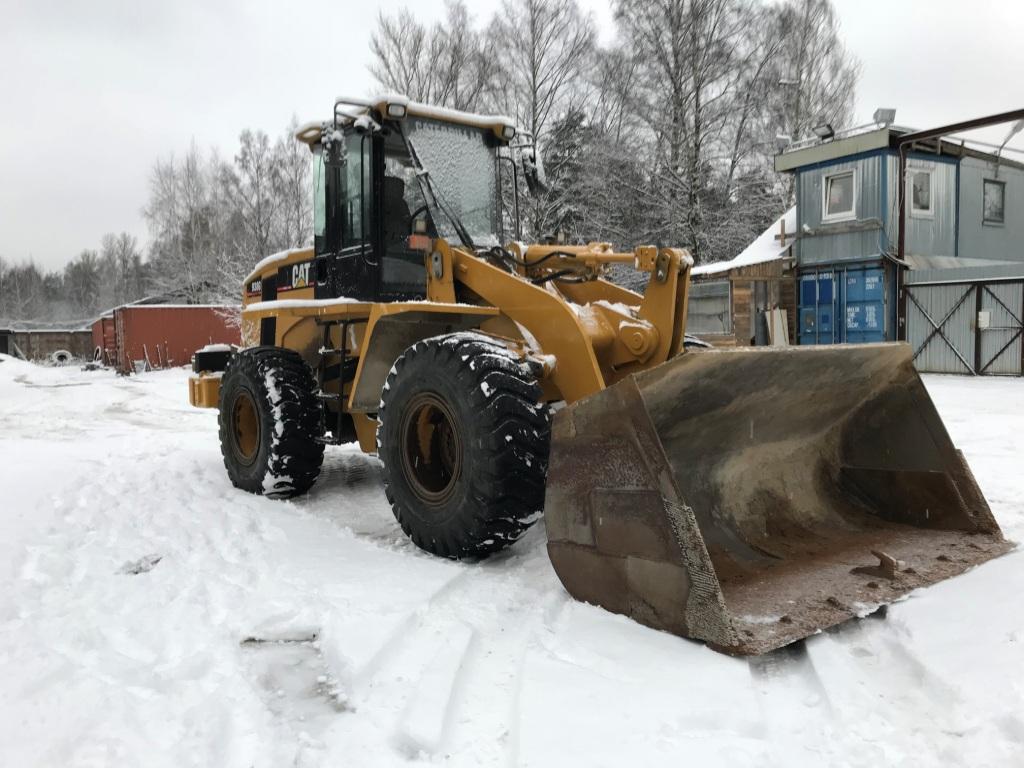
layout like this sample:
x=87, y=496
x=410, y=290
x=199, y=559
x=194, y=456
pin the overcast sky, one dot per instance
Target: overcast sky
x=91, y=93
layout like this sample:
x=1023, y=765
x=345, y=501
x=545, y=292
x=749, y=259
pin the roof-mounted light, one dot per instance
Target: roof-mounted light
x=396, y=110
x=824, y=131
x=884, y=116
x=508, y=132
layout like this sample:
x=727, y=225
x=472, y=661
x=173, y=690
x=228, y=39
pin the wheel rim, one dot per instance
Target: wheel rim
x=245, y=427
x=431, y=449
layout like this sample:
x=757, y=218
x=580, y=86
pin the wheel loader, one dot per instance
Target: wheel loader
x=743, y=497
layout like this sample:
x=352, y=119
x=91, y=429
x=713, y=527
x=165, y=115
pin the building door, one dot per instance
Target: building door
x=1000, y=328
x=972, y=328
x=758, y=314
x=940, y=326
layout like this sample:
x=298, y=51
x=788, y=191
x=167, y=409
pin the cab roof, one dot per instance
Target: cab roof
x=353, y=111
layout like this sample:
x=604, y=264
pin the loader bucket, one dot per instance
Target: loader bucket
x=752, y=497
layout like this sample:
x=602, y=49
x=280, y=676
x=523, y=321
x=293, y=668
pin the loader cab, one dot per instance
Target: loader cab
x=373, y=189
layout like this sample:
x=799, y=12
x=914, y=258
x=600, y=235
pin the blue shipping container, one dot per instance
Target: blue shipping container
x=843, y=306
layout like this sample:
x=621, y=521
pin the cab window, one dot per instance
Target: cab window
x=319, y=196
x=356, y=191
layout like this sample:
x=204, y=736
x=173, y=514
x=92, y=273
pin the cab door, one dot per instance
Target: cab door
x=343, y=219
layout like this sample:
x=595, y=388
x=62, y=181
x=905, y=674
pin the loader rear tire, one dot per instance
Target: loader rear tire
x=270, y=423
x=463, y=436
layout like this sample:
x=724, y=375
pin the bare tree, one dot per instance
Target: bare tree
x=750, y=124
x=82, y=283
x=547, y=45
x=819, y=75
x=187, y=225
x=294, y=226
x=22, y=295
x=691, y=72
x=612, y=80
x=120, y=270
x=251, y=184
x=445, y=64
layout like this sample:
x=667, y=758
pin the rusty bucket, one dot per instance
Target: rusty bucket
x=752, y=497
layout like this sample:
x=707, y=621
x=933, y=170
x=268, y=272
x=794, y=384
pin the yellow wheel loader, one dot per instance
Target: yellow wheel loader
x=746, y=498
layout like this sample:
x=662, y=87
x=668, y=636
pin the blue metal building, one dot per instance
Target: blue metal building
x=964, y=211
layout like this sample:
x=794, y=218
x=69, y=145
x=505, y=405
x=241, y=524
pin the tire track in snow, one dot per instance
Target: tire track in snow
x=350, y=494
x=898, y=709
x=439, y=676
x=796, y=710
x=143, y=650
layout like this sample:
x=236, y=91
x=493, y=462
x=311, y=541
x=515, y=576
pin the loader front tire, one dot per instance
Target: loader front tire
x=463, y=436
x=270, y=423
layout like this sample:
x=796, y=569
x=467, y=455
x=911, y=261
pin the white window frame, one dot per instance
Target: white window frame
x=992, y=222
x=849, y=215
x=921, y=213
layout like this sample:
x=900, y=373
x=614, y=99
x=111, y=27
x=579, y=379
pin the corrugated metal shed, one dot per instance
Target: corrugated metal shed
x=164, y=336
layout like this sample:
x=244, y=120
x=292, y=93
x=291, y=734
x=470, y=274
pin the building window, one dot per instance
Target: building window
x=709, y=308
x=921, y=193
x=994, y=202
x=839, y=191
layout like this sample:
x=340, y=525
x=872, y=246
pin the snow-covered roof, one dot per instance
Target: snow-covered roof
x=45, y=326
x=352, y=109
x=765, y=248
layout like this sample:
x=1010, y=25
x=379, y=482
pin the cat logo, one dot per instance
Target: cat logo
x=300, y=274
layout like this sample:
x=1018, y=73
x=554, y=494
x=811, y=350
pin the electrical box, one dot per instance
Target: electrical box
x=984, y=319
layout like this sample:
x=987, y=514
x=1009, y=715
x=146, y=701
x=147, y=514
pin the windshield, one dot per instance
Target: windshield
x=461, y=165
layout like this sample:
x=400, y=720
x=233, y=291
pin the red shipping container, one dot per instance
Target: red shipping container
x=166, y=335
x=104, y=339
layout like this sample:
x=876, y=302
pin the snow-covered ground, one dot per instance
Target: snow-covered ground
x=152, y=615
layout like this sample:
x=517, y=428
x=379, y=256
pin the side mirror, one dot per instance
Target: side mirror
x=533, y=171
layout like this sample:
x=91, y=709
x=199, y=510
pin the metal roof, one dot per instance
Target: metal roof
x=968, y=274
x=859, y=140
